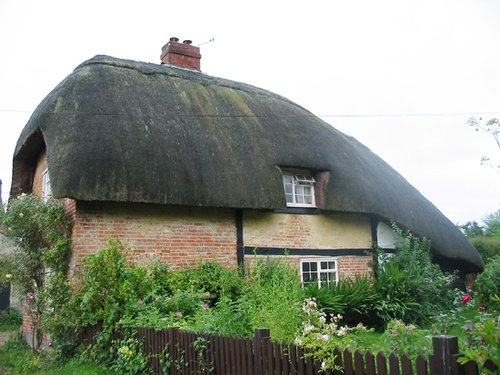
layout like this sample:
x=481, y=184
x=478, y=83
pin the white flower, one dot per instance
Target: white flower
x=8, y=276
x=323, y=365
x=343, y=331
x=322, y=319
x=298, y=341
x=325, y=337
x=308, y=327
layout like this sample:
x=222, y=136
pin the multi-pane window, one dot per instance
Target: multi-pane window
x=46, y=189
x=299, y=190
x=321, y=272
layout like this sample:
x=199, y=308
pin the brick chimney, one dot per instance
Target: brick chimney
x=182, y=54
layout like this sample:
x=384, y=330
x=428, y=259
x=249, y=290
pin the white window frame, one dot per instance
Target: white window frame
x=298, y=182
x=46, y=189
x=319, y=270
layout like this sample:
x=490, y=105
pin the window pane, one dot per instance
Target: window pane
x=299, y=198
x=324, y=265
x=314, y=266
x=305, y=266
x=289, y=198
x=287, y=179
x=288, y=189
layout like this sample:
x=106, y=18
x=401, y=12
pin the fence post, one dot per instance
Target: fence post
x=262, y=335
x=444, y=347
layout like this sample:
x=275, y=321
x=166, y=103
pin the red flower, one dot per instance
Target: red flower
x=466, y=298
x=482, y=307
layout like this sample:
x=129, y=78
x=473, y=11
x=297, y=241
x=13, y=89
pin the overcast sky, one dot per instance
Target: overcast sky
x=401, y=76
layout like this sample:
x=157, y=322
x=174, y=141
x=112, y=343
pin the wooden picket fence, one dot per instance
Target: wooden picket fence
x=188, y=353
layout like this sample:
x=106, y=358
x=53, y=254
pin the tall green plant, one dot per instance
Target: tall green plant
x=411, y=287
x=40, y=232
x=488, y=284
x=272, y=296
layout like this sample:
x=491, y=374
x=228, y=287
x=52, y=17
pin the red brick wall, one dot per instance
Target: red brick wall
x=178, y=236
x=350, y=266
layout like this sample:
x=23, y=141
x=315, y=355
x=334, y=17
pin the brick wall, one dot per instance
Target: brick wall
x=177, y=236
x=325, y=231
x=305, y=231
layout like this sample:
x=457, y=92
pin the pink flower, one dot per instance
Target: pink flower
x=466, y=298
x=205, y=306
x=30, y=296
x=178, y=313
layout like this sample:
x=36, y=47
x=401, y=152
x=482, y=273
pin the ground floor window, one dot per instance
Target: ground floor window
x=320, y=271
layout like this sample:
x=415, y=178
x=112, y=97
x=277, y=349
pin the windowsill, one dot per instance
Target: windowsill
x=298, y=210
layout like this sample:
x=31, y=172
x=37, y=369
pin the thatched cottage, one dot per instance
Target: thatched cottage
x=184, y=167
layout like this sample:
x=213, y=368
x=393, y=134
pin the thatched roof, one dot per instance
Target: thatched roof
x=118, y=130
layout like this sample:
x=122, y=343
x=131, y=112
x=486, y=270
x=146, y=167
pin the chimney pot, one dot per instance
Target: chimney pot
x=184, y=54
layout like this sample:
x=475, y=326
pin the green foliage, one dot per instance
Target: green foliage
x=486, y=239
x=406, y=339
x=130, y=357
x=38, y=266
x=488, y=247
x=10, y=320
x=492, y=222
x=488, y=284
x=272, y=297
x=487, y=346
x=472, y=229
x=227, y=317
x=321, y=333
x=410, y=287
x=16, y=358
x=355, y=299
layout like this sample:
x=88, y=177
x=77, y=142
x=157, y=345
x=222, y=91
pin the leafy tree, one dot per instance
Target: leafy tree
x=492, y=222
x=472, y=229
x=486, y=239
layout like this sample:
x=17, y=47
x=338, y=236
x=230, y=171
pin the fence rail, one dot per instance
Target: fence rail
x=188, y=353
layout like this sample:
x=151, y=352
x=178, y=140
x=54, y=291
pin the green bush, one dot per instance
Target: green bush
x=354, y=299
x=10, y=320
x=272, y=296
x=410, y=287
x=488, y=284
x=488, y=247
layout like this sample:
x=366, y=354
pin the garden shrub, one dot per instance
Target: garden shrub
x=10, y=320
x=38, y=266
x=485, y=348
x=227, y=317
x=410, y=287
x=488, y=247
x=488, y=284
x=272, y=296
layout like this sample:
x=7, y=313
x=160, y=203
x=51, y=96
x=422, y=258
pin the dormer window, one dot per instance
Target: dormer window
x=46, y=189
x=299, y=189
